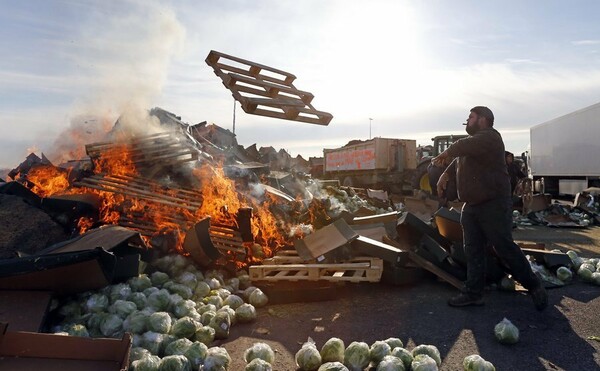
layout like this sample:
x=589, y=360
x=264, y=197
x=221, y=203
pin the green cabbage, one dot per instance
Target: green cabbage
x=564, y=274
x=233, y=301
x=596, y=278
x=230, y=312
x=77, y=330
x=215, y=300
x=333, y=350
x=111, y=326
x=308, y=357
x=188, y=279
x=258, y=364
x=184, y=328
x=205, y=335
x=429, y=350
x=140, y=283
x=159, y=322
x=122, y=308
x=356, y=356
x=196, y=353
x=178, y=347
x=423, y=362
x=160, y=300
x=207, y=317
x=506, y=332
x=175, y=363
x=221, y=323
x=148, y=363
x=138, y=353
x=588, y=266
x=404, y=355
x=245, y=313
x=152, y=341
x=234, y=283
x=159, y=278
x=96, y=303
x=394, y=343
x=332, y=366
x=378, y=350
x=201, y=308
x=167, y=339
x=120, y=291
x=70, y=310
x=390, y=363
x=585, y=274
x=217, y=359
x=202, y=290
x=150, y=290
x=475, y=362
x=183, y=308
x=182, y=290
x=140, y=300
x=258, y=298
x=213, y=283
x=259, y=350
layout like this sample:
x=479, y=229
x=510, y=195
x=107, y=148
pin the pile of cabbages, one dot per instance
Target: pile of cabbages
x=382, y=355
x=173, y=314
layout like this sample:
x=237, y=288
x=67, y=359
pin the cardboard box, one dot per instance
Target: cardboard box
x=24, y=310
x=325, y=240
x=28, y=351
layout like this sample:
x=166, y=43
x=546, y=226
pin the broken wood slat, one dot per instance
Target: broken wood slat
x=132, y=194
x=110, y=151
x=442, y=274
x=151, y=183
x=360, y=269
x=214, y=57
x=119, y=184
x=136, y=140
x=269, y=89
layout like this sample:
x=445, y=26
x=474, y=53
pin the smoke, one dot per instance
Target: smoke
x=123, y=55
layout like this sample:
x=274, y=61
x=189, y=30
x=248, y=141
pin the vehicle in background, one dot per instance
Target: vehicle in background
x=564, y=152
x=379, y=163
x=426, y=153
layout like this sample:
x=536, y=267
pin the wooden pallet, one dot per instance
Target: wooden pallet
x=360, y=269
x=265, y=91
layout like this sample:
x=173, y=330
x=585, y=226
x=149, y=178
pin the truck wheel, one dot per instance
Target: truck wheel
x=348, y=182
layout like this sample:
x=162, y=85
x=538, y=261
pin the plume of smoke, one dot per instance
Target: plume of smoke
x=123, y=56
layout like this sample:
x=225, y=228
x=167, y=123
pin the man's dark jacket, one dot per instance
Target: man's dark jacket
x=480, y=167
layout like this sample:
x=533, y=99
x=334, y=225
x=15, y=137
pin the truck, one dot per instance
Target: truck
x=426, y=153
x=563, y=154
x=382, y=163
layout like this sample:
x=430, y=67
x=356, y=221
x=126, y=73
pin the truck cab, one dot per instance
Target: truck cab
x=440, y=144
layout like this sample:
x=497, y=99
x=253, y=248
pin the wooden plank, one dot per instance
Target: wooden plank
x=442, y=274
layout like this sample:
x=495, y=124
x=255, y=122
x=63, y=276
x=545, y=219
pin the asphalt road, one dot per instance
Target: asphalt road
x=555, y=339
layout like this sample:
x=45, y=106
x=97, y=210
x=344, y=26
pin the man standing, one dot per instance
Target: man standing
x=484, y=185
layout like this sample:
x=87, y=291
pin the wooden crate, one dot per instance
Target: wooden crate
x=287, y=268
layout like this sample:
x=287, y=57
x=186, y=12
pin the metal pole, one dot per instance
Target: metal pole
x=370, y=119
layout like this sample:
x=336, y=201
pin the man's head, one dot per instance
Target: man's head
x=480, y=117
x=509, y=157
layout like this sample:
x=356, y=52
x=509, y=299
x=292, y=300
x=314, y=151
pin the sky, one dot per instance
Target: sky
x=70, y=68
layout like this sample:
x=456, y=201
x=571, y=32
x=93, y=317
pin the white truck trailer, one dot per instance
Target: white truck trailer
x=564, y=155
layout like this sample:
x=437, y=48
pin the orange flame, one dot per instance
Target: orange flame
x=48, y=180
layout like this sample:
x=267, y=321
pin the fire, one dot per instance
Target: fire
x=48, y=180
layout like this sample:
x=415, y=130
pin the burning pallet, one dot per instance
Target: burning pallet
x=265, y=91
x=290, y=268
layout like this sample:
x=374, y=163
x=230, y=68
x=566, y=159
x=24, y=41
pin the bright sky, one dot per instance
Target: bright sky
x=415, y=67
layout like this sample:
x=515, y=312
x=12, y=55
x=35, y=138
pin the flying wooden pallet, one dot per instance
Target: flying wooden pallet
x=265, y=91
x=360, y=269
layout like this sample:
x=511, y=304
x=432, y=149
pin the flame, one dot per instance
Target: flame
x=48, y=180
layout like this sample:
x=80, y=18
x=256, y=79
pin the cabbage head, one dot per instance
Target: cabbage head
x=333, y=366
x=233, y=301
x=77, y=330
x=596, y=278
x=96, y=303
x=506, y=332
x=152, y=341
x=217, y=359
x=159, y=322
x=258, y=298
x=378, y=350
x=148, y=363
x=140, y=300
x=230, y=312
x=245, y=313
x=333, y=350
x=357, y=356
x=404, y=355
x=394, y=343
x=182, y=290
x=308, y=357
x=122, y=308
x=183, y=308
x=205, y=335
x=196, y=353
x=234, y=283
x=221, y=323
x=585, y=274
x=111, y=325
x=201, y=290
x=391, y=363
x=423, y=362
x=213, y=283
x=184, y=328
x=188, y=279
x=120, y=291
x=475, y=362
x=258, y=364
x=259, y=350
x=215, y=300
x=178, y=347
x=430, y=350
x=159, y=300
x=159, y=278
x=564, y=274
x=137, y=353
x=140, y=283
x=174, y=363
x=207, y=316
x=201, y=308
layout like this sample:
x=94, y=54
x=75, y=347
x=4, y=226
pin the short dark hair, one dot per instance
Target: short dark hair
x=484, y=112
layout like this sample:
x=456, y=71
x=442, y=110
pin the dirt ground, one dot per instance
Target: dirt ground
x=555, y=339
